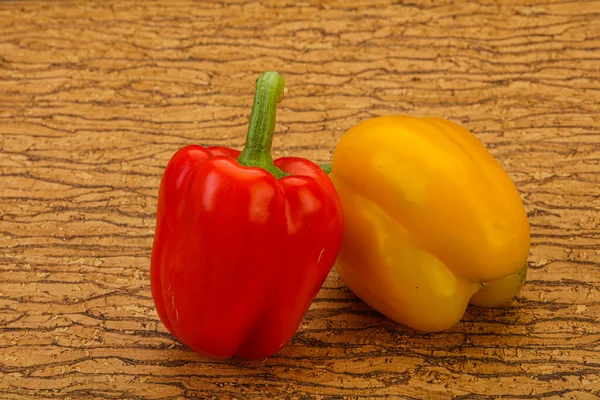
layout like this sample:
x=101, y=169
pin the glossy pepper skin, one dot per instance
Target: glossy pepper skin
x=242, y=243
x=432, y=221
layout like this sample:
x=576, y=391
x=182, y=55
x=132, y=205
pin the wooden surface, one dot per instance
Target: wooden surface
x=96, y=97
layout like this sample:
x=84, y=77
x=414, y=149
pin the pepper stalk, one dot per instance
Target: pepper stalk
x=270, y=87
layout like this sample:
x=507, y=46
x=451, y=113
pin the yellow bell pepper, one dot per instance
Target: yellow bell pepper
x=432, y=221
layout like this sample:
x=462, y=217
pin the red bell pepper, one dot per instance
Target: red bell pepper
x=243, y=243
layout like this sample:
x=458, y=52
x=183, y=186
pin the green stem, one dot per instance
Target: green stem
x=257, y=151
x=326, y=168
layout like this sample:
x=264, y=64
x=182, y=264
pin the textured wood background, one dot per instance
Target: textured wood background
x=96, y=97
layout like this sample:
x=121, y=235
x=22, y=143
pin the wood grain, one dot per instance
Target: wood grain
x=96, y=96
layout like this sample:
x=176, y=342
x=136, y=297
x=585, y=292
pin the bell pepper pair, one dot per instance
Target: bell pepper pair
x=419, y=216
